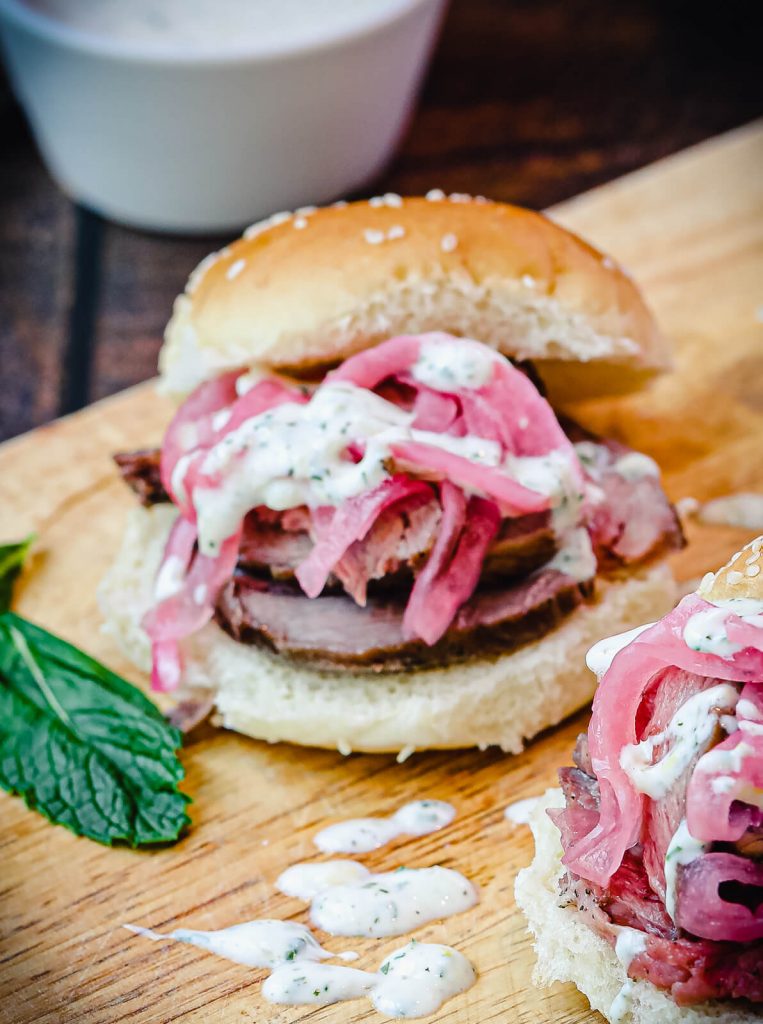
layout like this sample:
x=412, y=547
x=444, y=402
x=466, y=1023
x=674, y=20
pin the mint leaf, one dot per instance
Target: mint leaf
x=12, y=558
x=83, y=746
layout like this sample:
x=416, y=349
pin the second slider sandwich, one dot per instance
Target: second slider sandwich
x=367, y=526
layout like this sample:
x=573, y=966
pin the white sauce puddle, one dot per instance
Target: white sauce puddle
x=412, y=981
x=375, y=905
x=361, y=835
x=744, y=510
x=264, y=943
x=519, y=813
x=602, y=654
x=347, y=899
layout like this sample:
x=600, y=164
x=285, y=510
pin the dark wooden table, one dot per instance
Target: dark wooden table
x=530, y=101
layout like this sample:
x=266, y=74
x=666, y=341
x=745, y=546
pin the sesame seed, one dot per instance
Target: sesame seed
x=448, y=242
x=460, y=197
x=235, y=269
x=735, y=577
x=300, y=222
x=752, y=570
x=271, y=222
x=528, y=280
x=707, y=581
x=376, y=201
x=339, y=204
x=392, y=199
x=435, y=195
x=305, y=211
x=373, y=237
x=754, y=557
x=396, y=231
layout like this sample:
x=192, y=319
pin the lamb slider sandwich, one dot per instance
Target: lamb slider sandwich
x=647, y=885
x=367, y=528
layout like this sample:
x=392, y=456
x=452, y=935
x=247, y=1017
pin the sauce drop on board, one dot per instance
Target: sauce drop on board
x=375, y=905
x=361, y=835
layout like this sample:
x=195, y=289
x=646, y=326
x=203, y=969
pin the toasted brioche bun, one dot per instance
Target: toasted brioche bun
x=501, y=701
x=740, y=578
x=568, y=950
x=302, y=292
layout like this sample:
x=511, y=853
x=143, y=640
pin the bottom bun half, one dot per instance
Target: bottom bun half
x=500, y=701
x=568, y=950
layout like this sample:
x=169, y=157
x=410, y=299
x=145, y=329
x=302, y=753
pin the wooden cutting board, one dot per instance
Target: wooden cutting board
x=691, y=230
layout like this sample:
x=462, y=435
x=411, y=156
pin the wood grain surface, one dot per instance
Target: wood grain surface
x=531, y=102
x=690, y=229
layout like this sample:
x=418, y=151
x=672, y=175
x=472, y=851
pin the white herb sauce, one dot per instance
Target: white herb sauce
x=575, y=557
x=417, y=979
x=413, y=981
x=629, y=944
x=748, y=608
x=360, y=835
x=744, y=510
x=554, y=475
x=689, y=730
x=316, y=984
x=682, y=850
x=705, y=631
x=747, y=709
x=635, y=466
x=728, y=762
x=304, y=881
x=263, y=943
x=520, y=811
x=170, y=578
x=295, y=454
x=447, y=364
x=603, y=653
x=390, y=903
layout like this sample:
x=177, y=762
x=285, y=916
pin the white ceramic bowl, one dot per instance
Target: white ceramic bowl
x=207, y=143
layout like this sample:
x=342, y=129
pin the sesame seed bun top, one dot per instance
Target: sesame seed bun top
x=303, y=291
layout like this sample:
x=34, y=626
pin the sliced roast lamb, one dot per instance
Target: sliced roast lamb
x=334, y=632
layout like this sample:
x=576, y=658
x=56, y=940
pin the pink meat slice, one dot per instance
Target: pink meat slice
x=402, y=536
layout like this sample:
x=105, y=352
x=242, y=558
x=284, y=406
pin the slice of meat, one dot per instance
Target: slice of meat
x=141, y=471
x=635, y=521
x=332, y=631
x=401, y=538
x=275, y=542
x=521, y=546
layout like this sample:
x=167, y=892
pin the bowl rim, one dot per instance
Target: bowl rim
x=51, y=30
